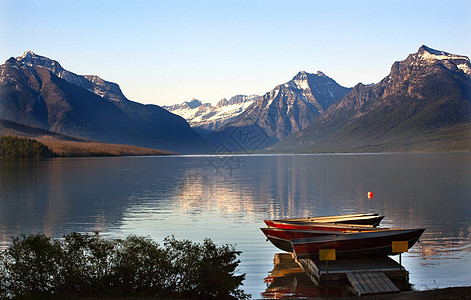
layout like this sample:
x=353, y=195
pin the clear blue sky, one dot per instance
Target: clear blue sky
x=167, y=52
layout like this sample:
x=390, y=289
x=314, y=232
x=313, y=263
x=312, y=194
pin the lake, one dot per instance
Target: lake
x=226, y=198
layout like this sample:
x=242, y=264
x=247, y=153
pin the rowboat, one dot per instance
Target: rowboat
x=371, y=219
x=318, y=226
x=362, y=244
x=281, y=238
x=333, y=219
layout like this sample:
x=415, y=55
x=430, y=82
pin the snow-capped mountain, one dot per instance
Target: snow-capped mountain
x=92, y=83
x=205, y=117
x=424, y=104
x=288, y=108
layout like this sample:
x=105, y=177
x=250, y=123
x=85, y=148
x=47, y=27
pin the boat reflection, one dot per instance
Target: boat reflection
x=288, y=281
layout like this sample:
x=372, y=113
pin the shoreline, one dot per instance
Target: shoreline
x=458, y=292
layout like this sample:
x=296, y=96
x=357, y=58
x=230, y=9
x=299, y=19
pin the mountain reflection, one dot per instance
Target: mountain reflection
x=58, y=196
x=292, y=187
x=210, y=193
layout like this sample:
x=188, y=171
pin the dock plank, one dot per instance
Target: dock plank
x=371, y=283
x=378, y=281
x=392, y=287
x=387, y=283
x=382, y=271
x=359, y=290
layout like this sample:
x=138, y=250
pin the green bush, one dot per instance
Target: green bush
x=82, y=265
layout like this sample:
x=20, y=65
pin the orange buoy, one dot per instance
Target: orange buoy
x=370, y=195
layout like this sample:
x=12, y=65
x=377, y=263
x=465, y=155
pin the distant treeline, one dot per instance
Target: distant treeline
x=16, y=147
x=84, y=265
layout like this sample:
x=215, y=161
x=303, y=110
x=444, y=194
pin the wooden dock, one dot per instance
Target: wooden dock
x=371, y=283
x=362, y=275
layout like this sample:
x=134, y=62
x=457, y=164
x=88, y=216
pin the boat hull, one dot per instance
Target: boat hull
x=281, y=238
x=299, y=225
x=359, y=219
x=364, y=244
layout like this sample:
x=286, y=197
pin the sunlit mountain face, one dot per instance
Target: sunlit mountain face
x=37, y=91
x=424, y=104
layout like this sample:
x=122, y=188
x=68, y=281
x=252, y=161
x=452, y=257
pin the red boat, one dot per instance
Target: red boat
x=317, y=226
x=357, y=219
x=281, y=238
x=372, y=243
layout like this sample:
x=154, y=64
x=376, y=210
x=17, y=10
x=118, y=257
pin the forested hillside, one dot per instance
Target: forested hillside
x=11, y=146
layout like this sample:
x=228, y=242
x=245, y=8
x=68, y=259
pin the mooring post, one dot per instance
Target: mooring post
x=326, y=254
x=400, y=261
x=399, y=247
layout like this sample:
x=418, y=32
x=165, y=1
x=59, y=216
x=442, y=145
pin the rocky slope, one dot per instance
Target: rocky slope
x=285, y=110
x=37, y=91
x=205, y=118
x=422, y=105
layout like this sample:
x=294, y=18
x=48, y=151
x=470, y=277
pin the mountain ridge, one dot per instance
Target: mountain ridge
x=429, y=91
x=37, y=91
x=205, y=118
x=285, y=110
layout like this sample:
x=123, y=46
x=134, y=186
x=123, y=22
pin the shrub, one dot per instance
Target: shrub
x=82, y=265
x=30, y=267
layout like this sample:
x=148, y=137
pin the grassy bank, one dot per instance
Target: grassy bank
x=47, y=146
x=83, y=148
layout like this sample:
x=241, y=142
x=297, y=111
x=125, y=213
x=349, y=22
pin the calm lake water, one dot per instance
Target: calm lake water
x=226, y=198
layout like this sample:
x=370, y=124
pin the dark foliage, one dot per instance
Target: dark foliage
x=81, y=265
x=16, y=147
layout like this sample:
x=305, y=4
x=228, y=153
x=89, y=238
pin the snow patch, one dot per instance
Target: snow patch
x=440, y=56
x=208, y=115
x=465, y=68
x=301, y=84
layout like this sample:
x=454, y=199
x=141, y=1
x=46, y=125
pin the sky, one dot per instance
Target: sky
x=168, y=52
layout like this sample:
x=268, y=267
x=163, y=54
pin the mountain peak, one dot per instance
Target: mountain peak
x=222, y=102
x=28, y=53
x=427, y=53
x=424, y=49
x=302, y=75
x=31, y=59
x=194, y=103
x=303, y=79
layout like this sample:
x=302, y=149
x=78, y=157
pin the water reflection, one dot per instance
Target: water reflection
x=57, y=196
x=190, y=198
x=287, y=280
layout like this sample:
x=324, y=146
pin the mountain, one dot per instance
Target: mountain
x=205, y=118
x=37, y=91
x=92, y=83
x=285, y=110
x=422, y=105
